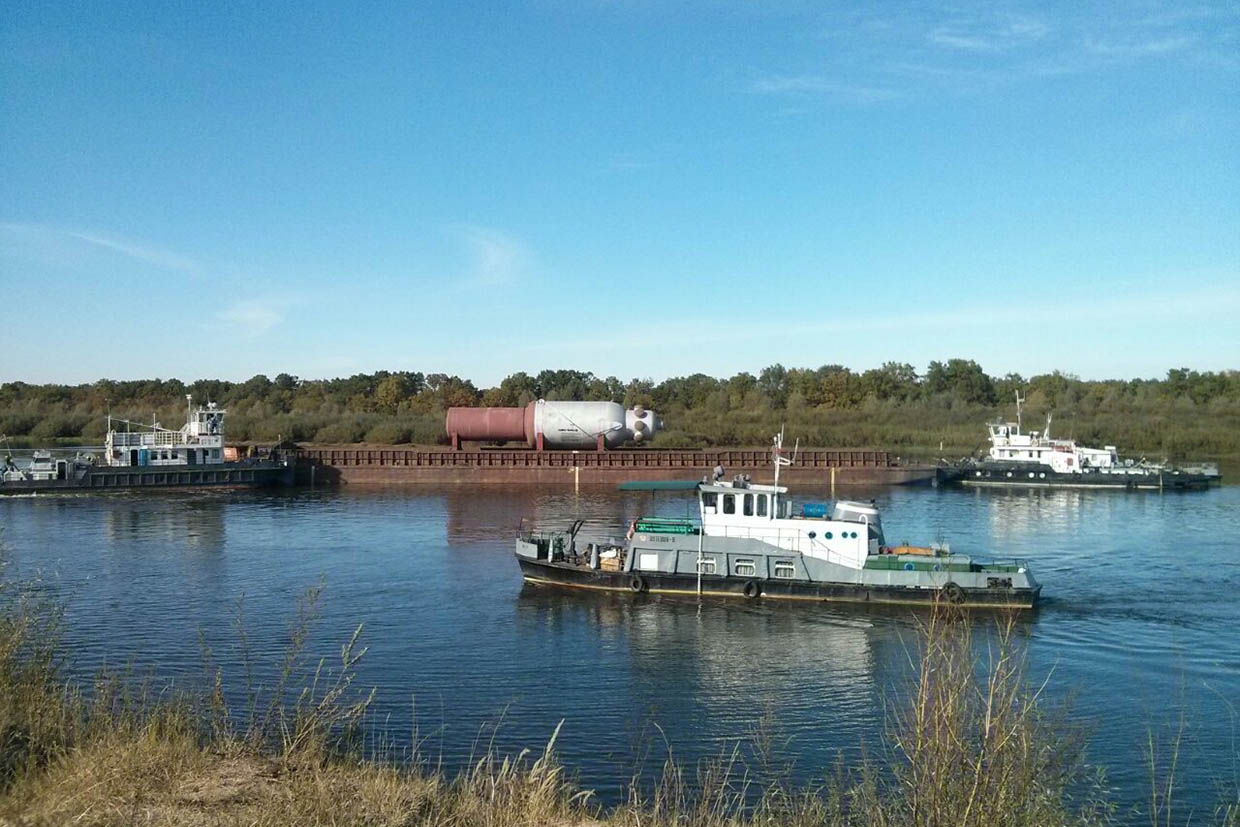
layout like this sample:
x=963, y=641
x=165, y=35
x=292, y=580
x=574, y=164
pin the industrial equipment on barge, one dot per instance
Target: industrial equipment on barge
x=548, y=425
x=749, y=543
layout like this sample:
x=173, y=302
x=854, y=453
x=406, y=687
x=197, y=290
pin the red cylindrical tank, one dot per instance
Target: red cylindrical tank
x=491, y=424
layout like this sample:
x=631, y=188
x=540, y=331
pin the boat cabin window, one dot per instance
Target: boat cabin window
x=785, y=568
x=748, y=505
x=710, y=501
x=784, y=505
x=729, y=503
x=762, y=505
x=745, y=567
x=706, y=565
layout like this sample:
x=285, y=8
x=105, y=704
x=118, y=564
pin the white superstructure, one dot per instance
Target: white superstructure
x=200, y=441
x=740, y=508
x=1064, y=456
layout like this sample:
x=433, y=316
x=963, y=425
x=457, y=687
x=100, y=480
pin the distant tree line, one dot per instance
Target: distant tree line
x=1187, y=413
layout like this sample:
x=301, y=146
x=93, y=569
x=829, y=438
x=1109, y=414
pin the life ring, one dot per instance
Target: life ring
x=752, y=589
x=637, y=584
x=953, y=593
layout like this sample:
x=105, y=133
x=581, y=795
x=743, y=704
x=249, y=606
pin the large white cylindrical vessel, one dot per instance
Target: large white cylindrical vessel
x=579, y=424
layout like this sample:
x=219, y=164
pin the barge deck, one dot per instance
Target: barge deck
x=330, y=465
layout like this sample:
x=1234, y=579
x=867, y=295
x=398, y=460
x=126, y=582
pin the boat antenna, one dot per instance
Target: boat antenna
x=1019, y=401
x=778, y=458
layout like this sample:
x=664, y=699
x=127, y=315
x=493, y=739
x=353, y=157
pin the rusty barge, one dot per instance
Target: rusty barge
x=351, y=465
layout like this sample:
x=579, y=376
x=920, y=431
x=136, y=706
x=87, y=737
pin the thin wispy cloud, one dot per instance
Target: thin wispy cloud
x=953, y=40
x=1147, y=48
x=139, y=251
x=872, y=55
x=495, y=258
x=821, y=85
x=989, y=35
x=71, y=240
x=252, y=317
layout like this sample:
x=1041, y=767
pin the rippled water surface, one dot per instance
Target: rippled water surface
x=1141, y=624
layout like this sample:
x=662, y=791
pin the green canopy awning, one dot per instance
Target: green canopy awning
x=659, y=485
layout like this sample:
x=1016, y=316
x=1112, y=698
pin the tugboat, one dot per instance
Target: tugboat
x=749, y=543
x=139, y=455
x=1035, y=460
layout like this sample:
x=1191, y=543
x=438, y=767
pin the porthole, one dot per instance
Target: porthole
x=1009, y=473
x=1042, y=475
x=813, y=534
x=1030, y=475
x=827, y=535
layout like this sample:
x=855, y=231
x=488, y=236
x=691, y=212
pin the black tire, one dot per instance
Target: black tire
x=637, y=584
x=953, y=593
x=752, y=589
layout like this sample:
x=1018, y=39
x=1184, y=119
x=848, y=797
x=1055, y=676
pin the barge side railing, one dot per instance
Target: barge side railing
x=728, y=458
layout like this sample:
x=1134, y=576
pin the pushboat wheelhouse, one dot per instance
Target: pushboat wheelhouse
x=749, y=540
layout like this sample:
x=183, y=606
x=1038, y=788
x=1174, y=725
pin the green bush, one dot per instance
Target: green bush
x=427, y=429
x=389, y=433
x=19, y=424
x=55, y=427
x=340, y=432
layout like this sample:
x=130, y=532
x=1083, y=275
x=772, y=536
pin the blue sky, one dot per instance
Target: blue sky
x=633, y=188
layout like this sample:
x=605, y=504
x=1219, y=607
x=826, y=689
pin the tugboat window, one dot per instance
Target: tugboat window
x=761, y=505
x=784, y=568
x=745, y=568
x=706, y=565
x=729, y=503
x=748, y=506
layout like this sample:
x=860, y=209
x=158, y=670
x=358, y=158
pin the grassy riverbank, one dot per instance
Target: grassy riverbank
x=973, y=745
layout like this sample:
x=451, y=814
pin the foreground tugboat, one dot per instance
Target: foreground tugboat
x=749, y=543
x=1034, y=460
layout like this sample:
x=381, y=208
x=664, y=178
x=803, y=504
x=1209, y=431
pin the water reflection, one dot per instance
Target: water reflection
x=198, y=523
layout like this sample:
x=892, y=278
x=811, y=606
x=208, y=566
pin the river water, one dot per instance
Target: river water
x=1139, y=631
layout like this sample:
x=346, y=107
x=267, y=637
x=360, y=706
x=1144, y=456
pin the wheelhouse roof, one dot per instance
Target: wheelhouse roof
x=753, y=488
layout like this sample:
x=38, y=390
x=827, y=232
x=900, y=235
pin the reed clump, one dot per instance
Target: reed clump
x=974, y=745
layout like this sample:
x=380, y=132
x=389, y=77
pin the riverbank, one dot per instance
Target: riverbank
x=974, y=745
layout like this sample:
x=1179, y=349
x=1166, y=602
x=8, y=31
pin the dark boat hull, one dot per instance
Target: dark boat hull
x=540, y=572
x=104, y=478
x=1026, y=475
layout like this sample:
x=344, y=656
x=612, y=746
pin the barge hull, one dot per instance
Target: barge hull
x=359, y=466
x=545, y=574
x=1004, y=476
x=104, y=478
